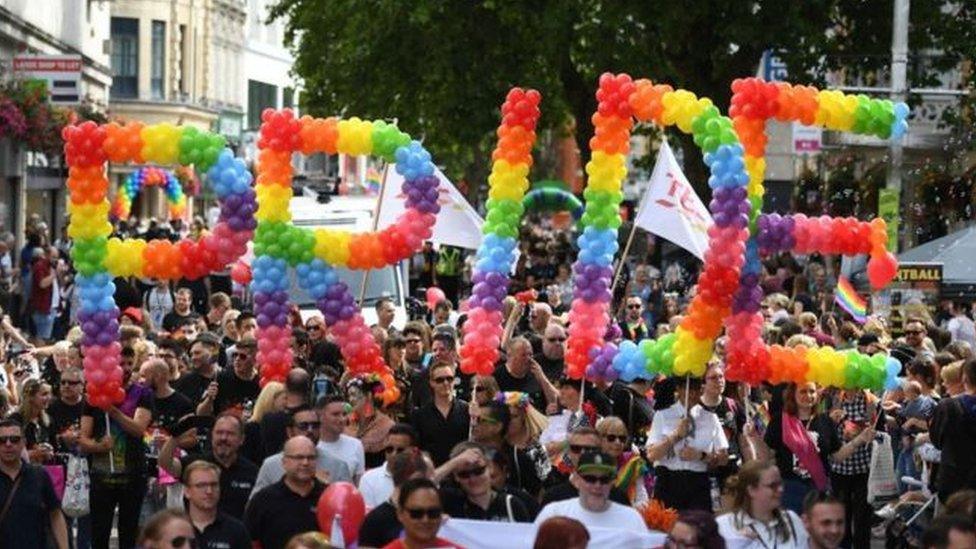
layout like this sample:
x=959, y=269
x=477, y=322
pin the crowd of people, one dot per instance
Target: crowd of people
x=200, y=454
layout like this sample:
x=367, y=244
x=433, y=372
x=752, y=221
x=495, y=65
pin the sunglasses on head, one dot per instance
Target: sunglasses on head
x=597, y=479
x=476, y=472
x=11, y=439
x=432, y=513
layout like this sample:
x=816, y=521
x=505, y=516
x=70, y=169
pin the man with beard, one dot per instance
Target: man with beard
x=203, y=363
x=236, y=387
x=181, y=310
x=237, y=473
x=633, y=326
x=823, y=517
x=553, y=350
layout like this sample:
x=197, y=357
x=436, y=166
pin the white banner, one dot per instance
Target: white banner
x=671, y=209
x=457, y=223
x=475, y=534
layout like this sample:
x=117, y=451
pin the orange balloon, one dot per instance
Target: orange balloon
x=123, y=143
x=646, y=100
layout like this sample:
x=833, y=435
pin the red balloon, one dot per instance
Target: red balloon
x=881, y=269
x=343, y=499
x=434, y=294
x=241, y=273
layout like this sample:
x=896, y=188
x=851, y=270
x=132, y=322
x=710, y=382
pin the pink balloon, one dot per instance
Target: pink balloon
x=434, y=294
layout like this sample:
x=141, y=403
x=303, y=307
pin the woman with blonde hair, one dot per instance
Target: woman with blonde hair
x=35, y=397
x=524, y=427
x=756, y=518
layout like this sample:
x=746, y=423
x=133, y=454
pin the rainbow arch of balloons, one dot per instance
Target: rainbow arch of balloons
x=728, y=294
x=151, y=176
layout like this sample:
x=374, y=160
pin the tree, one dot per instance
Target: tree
x=444, y=67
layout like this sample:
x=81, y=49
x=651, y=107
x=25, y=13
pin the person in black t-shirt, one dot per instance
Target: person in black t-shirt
x=118, y=462
x=181, y=310
x=442, y=422
x=475, y=498
x=237, y=388
x=33, y=509
x=237, y=473
x=203, y=362
x=553, y=351
x=287, y=507
x=213, y=527
x=381, y=525
x=65, y=412
x=520, y=372
x=171, y=406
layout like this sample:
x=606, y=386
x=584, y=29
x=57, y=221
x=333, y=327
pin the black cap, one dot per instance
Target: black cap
x=594, y=461
x=867, y=339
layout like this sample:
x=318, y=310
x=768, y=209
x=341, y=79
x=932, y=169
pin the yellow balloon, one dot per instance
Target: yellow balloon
x=355, y=136
x=124, y=257
x=161, y=143
x=332, y=246
x=274, y=203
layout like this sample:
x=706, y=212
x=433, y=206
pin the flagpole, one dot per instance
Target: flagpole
x=376, y=223
x=620, y=264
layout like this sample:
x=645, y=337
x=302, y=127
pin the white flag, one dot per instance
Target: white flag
x=457, y=223
x=671, y=209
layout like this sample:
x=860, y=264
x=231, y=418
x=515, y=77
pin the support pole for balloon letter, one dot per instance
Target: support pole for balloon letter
x=376, y=222
x=111, y=454
x=620, y=264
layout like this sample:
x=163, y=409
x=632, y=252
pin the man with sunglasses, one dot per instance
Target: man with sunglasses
x=237, y=386
x=551, y=359
x=443, y=421
x=633, y=326
x=593, y=478
x=377, y=483
x=27, y=499
x=303, y=421
x=475, y=498
x=581, y=440
x=287, y=507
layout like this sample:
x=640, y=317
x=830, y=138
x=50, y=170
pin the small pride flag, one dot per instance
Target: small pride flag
x=846, y=296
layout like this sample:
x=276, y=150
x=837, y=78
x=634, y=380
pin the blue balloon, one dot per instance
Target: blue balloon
x=892, y=369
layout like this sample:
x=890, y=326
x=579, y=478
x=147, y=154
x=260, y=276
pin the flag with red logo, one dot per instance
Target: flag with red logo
x=671, y=209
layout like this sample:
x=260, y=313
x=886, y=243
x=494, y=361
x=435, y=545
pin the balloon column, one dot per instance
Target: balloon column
x=279, y=245
x=754, y=102
x=99, y=258
x=507, y=184
x=149, y=175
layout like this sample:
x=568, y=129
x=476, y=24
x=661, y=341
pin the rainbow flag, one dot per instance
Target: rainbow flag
x=846, y=296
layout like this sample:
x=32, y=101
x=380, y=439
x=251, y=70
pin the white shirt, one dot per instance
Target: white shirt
x=744, y=532
x=376, y=486
x=557, y=428
x=348, y=449
x=962, y=329
x=706, y=435
x=616, y=516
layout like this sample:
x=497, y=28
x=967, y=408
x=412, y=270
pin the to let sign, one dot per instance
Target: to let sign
x=61, y=75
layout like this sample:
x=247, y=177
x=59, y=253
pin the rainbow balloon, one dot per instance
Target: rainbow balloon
x=98, y=258
x=151, y=176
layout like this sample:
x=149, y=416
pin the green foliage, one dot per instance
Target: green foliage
x=443, y=68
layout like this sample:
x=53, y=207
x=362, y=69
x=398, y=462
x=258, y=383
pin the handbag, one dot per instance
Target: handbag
x=56, y=472
x=75, y=502
x=882, y=483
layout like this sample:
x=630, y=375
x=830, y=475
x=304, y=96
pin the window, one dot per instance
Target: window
x=158, y=53
x=184, y=83
x=260, y=96
x=125, y=57
x=288, y=98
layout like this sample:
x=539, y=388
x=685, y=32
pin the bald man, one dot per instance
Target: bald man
x=521, y=372
x=553, y=351
x=287, y=507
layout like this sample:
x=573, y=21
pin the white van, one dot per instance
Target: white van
x=351, y=213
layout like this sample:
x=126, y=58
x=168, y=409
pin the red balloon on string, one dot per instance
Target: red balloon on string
x=241, y=273
x=434, y=294
x=344, y=500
